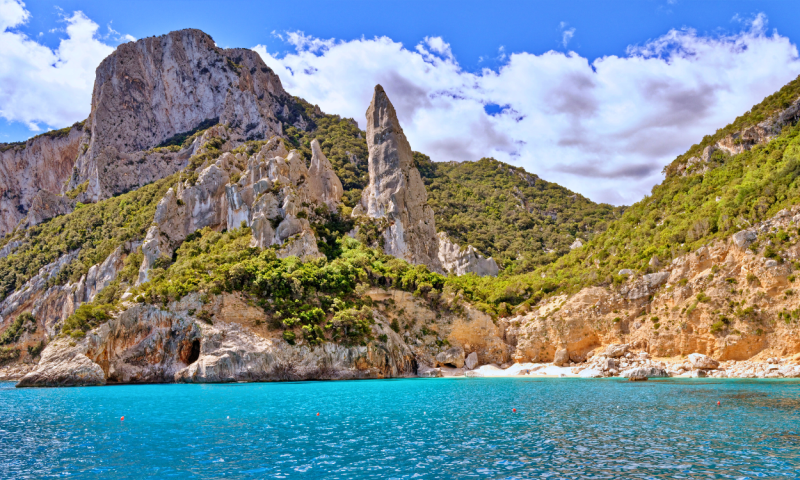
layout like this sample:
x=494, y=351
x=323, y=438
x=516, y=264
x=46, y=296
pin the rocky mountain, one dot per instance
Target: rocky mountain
x=43, y=163
x=145, y=93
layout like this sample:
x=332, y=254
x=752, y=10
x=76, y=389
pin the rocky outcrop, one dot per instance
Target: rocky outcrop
x=702, y=362
x=43, y=163
x=743, y=140
x=396, y=191
x=148, y=344
x=275, y=195
x=155, y=88
x=324, y=186
x=452, y=357
x=46, y=205
x=460, y=261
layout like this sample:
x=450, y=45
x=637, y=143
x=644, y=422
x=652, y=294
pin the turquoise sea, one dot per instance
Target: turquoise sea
x=408, y=428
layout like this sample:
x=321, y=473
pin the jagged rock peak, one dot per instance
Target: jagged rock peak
x=396, y=191
x=150, y=90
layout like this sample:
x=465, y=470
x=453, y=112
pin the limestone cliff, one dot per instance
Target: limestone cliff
x=275, y=195
x=155, y=88
x=146, y=343
x=396, y=191
x=723, y=300
x=43, y=163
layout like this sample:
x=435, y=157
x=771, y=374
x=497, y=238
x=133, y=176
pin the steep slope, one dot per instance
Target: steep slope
x=507, y=213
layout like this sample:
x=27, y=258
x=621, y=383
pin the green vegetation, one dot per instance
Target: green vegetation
x=509, y=214
x=185, y=139
x=23, y=323
x=681, y=215
x=318, y=300
x=96, y=229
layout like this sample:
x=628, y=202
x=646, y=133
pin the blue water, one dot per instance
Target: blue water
x=414, y=428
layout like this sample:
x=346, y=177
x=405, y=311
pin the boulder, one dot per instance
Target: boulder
x=561, y=357
x=616, y=350
x=744, y=238
x=453, y=357
x=655, y=280
x=590, y=373
x=471, y=361
x=396, y=191
x=626, y=271
x=576, y=244
x=702, y=362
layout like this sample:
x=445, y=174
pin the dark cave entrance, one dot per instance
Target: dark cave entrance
x=195, y=353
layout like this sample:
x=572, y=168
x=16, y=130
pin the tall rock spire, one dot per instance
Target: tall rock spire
x=396, y=191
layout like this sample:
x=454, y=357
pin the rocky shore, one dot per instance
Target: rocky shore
x=618, y=360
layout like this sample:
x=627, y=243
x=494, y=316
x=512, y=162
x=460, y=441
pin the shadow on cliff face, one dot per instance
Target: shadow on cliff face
x=194, y=354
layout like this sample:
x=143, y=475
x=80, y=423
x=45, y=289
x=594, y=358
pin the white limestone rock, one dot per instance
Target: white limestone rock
x=701, y=361
x=325, y=187
x=396, y=191
x=460, y=261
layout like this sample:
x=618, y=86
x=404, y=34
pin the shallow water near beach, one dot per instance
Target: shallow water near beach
x=406, y=428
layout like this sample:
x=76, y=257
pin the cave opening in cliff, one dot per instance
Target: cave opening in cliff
x=195, y=353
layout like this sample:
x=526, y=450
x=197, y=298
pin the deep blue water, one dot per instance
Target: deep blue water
x=411, y=428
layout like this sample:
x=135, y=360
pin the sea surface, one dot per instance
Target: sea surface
x=408, y=428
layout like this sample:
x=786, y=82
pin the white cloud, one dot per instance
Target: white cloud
x=603, y=128
x=43, y=86
x=566, y=34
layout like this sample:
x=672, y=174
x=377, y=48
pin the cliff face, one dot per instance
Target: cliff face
x=42, y=163
x=153, y=89
x=396, y=191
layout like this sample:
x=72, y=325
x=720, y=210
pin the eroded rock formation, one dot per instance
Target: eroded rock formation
x=396, y=191
x=155, y=88
x=275, y=195
x=460, y=261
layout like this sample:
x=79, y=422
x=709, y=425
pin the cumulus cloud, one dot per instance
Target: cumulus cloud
x=44, y=87
x=604, y=128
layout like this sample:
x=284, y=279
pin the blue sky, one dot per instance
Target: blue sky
x=558, y=108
